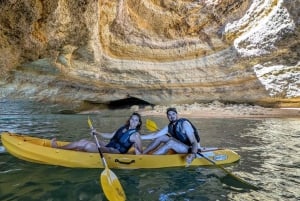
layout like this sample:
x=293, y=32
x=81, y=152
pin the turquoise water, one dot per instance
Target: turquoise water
x=269, y=150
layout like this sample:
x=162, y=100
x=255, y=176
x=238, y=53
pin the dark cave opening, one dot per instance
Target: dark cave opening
x=127, y=103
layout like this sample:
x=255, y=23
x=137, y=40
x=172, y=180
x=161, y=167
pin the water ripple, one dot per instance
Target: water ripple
x=269, y=150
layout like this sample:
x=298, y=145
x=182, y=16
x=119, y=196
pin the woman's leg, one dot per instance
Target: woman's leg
x=92, y=147
x=84, y=145
x=78, y=145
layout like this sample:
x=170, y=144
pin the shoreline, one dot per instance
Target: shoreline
x=219, y=110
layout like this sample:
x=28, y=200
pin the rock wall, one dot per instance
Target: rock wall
x=157, y=51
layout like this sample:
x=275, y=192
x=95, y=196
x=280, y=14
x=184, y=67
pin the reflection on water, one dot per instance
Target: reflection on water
x=269, y=150
x=280, y=161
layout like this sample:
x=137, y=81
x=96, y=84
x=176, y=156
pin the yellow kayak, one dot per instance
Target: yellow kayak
x=39, y=150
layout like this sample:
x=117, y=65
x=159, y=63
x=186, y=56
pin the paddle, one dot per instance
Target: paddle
x=151, y=126
x=110, y=183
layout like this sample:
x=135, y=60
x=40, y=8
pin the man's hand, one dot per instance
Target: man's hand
x=189, y=158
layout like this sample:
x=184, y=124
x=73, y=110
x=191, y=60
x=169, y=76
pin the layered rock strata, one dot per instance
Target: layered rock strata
x=156, y=51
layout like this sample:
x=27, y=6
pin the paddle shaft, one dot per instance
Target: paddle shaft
x=97, y=143
x=219, y=166
x=151, y=125
x=213, y=162
x=99, y=150
x=229, y=173
x=111, y=185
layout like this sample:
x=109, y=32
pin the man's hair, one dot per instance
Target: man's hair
x=173, y=109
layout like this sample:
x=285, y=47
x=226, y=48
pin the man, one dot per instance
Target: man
x=180, y=135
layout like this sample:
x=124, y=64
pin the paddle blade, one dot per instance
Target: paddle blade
x=238, y=182
x=151, y=125
x=111, y=186
x=90, y=123
x=232, y=180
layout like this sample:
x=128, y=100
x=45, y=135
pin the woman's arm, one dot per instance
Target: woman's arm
x=136, y=138
x=154, y=135
x=105, y=135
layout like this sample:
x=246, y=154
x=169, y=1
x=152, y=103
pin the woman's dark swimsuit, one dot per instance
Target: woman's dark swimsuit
x=121, y=140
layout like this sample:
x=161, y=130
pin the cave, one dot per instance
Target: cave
x=127, y=103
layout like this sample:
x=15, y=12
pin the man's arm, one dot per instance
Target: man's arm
x=157, y=134
x=190, y=134
x=104, y=135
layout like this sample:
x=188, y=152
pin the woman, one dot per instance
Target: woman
x=121, y=140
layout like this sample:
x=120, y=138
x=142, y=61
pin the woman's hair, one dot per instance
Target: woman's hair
x=139, y=126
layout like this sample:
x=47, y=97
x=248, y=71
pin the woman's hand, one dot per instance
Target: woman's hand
x=136, y=149
x=93, y=131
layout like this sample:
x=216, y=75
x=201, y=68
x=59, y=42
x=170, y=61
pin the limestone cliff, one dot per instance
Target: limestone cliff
x=157, y=51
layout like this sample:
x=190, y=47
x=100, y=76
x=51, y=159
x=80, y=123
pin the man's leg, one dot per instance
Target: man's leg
x=155, y=143
x=173, y=144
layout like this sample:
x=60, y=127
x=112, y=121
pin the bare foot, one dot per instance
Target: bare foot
x=54, y=143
